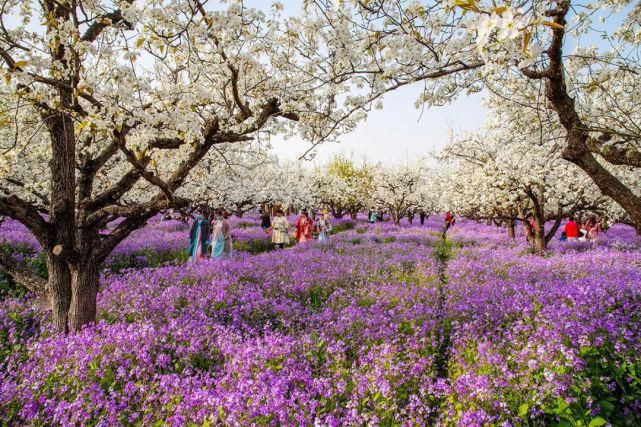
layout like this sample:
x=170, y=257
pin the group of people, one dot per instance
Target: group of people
x=305, y=229
x=214, y=239
x=205, y=238
x=589, y=230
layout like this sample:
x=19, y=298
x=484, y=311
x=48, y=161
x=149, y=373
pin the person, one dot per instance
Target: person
x=532, y=222
x=373, y=217
x=199, y=238
x=303, y=228
x=592, y=228
x=324, y=227
x=571, y=229
x=449, y=221
x=410, y=216
x=221, y=237
x=421, y=216
x=563, y=237
x=265, y=220
x=280, y=230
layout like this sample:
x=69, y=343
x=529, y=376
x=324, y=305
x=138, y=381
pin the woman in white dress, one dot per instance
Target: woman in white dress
x=280, y=230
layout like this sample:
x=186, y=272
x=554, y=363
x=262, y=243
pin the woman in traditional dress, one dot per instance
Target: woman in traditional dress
x=199, y=236
x=280, y=230
x=265, y=220
x=324, y=227
x=592, y=228
x=221, y=238
x=303, y=228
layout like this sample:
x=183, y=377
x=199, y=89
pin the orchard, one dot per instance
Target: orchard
x=167, y=258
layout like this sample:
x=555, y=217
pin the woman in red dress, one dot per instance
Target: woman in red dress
x=303, y=228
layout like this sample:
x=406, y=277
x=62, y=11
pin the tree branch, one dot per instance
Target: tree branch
x=22, y=274
x=104, y=21
x=24, y=212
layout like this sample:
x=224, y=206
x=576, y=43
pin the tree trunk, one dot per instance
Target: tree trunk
x=337, y=213
x=84, y=285
x=555, y=227
x=511, y=232
x=539, y=237
x=353, y=214
x=59, y=286
x=397, y=218
x=529, y=232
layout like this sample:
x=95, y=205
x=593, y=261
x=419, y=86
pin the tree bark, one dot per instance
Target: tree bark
x=22, y=274
x=510, y=228
x=84, y=285
x=59, y=285
x=539, y=237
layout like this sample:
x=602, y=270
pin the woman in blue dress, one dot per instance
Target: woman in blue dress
x=221, y=238
x=198, y=238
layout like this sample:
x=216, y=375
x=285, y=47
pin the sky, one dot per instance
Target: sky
x=398, y=132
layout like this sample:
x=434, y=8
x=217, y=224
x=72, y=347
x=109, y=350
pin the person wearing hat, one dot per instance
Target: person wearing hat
x=324, y=227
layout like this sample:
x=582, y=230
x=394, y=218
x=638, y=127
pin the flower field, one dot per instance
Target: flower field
x=388, y=325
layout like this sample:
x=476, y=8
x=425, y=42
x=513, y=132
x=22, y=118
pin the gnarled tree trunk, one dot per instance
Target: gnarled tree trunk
x=84, y=286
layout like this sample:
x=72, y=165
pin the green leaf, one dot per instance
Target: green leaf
x=523, y=409
x=606, y=407
x=561, y=405
x=596, y=422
